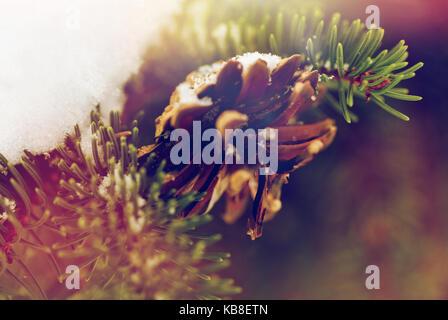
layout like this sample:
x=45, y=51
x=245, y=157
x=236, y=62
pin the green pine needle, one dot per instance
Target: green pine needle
x=388, y=108
x=108, y=213
x=340, y=50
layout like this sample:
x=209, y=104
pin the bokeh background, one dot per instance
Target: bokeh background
x=378, y=195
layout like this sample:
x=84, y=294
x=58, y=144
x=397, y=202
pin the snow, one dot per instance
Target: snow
x=249, y=58
x=207, y=74
x=187, y=95
x=59, y=58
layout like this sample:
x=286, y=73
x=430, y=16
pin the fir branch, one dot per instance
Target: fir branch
x=105, y=215
x=347, y=55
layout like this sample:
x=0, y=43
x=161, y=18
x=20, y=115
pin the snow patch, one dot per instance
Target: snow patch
x=187, y=95
x=62, y=57
x=249, y=58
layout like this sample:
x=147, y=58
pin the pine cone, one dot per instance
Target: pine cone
x=250, y=91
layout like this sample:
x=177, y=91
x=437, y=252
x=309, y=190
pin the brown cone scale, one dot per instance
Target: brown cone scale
x=241, y=95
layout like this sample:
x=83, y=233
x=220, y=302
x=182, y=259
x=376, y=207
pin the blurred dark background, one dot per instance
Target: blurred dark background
x=378, y=195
